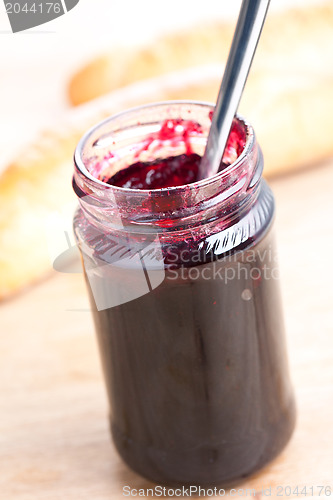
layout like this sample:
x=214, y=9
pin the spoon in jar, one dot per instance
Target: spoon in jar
x=248, y=30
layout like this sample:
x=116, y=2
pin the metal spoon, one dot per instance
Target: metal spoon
x=249, y=25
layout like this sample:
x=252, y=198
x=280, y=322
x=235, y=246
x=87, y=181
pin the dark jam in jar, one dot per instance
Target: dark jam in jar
x=184, y=293
x=177, y=170
x=164, y=173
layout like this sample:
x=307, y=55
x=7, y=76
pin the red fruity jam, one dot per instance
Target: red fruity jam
x=175, y=170
x=167, y=172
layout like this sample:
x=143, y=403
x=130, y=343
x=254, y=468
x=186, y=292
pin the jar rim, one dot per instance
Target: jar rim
x=79, y=163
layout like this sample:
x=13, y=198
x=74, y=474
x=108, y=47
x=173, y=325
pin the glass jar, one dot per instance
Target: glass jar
x=183, y=284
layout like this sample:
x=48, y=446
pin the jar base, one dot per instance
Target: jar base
x=206, y=466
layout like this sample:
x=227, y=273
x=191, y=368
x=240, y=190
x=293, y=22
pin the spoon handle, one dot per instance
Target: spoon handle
x=250, y=22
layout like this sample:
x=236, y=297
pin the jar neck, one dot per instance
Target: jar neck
x=225, y=196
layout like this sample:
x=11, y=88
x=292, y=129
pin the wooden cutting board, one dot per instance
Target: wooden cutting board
x=54, y=436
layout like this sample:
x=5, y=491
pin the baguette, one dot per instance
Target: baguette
x=289, y=100
x=299, y=40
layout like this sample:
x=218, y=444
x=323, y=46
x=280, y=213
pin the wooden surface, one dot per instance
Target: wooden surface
x=54, y=434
